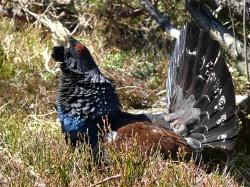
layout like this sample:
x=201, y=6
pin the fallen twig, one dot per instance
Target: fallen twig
x=106, y=179
x=126, y=87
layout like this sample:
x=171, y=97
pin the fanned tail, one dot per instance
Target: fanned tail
x=201, y=98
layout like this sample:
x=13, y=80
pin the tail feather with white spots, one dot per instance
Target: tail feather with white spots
x=201, y=98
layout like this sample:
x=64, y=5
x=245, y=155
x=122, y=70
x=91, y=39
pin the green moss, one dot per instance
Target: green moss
x=116, y=60
x=7, y=70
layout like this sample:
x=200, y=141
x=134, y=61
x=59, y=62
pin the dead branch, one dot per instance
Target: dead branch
x=160, y=19
x=203, y=16
x=13, y=13
x=233, y=46
x=59, y=33
x=236, y=7
x=126, y=13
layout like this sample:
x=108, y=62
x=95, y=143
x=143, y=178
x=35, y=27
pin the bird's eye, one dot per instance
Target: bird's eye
x=79, y=48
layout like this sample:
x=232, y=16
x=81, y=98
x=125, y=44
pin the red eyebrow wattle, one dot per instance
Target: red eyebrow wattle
x=79, y=47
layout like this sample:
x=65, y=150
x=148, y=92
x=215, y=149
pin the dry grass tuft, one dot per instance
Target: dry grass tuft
x=32, y=148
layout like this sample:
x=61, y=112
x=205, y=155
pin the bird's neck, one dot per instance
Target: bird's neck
x=88, y=96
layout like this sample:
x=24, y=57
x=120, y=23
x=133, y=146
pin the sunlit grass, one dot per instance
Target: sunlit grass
x=32, y=148
x=33, y=153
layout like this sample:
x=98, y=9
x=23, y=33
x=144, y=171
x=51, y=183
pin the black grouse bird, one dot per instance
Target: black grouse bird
x=200, y=99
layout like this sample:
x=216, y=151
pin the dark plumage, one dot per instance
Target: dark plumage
x=200, y=99
x=85, y=96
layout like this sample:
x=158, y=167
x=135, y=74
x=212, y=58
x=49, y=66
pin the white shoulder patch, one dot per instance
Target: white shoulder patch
x=111, y=136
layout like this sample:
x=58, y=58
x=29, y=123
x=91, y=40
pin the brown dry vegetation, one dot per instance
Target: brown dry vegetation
x=131, y=51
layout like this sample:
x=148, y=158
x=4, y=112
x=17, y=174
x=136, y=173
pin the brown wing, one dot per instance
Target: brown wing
x=151, y=137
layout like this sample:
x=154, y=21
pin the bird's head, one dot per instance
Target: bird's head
x=75, y=58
